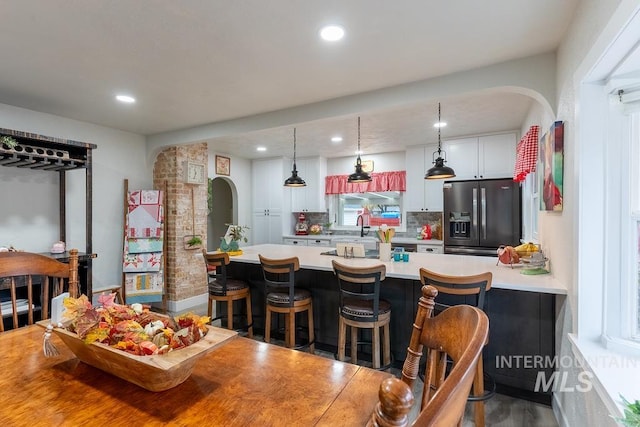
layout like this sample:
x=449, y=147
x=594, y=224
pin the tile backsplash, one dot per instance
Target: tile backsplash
x=414, y=221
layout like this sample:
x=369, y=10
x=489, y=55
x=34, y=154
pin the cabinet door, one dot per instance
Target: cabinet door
x=462, y=157
x=267, y=183
x=295, y=242
x=267, y=227
x=415, y=167
x=497, y=155
x=310, y=198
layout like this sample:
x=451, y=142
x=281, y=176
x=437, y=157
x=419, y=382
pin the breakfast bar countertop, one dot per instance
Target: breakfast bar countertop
x=504, y=276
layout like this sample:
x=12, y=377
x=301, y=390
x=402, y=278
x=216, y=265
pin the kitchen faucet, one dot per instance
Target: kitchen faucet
x=362, y=226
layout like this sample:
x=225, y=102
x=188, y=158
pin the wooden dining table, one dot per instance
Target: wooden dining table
x=242, y=383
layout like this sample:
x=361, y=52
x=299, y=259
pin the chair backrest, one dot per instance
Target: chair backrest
x=459, y=332
x=280, y=273
x=477, y=284
x=218, y=261
x=360, y=283
x=17, y=273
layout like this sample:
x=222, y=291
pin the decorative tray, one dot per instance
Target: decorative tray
x=154, y=372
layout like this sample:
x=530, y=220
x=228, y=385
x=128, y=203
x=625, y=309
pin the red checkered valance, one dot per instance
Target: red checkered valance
x=526, y=154
x=380, y=181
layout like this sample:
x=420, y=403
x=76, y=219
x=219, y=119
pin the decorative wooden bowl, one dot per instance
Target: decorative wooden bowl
x=154, y=373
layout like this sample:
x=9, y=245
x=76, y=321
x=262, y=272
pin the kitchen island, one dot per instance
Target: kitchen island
x=521, y=308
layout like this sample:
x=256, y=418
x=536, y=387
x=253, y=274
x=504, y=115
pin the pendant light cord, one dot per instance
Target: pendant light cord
x=439, y=127
x=294, y=148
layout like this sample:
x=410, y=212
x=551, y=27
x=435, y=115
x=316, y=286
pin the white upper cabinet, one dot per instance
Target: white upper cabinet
x=268, y=184
x=490, y=156
x=268, y=192
x=310, y=198
x=422, y=194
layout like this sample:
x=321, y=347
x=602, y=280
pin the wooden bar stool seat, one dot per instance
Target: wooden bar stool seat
x=225, y=289
x=362, y=308
x=283, y=297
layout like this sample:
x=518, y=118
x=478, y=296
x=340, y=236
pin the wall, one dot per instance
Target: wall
x=31, y=223
x=186, y=216
x=579, y=51
x=381, y=163
x=240, y=181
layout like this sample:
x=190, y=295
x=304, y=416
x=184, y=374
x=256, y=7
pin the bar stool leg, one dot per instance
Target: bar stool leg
x=249, y=316
x=386, y=345
x=291, y=328
x=312, y=346
x=342, y=338
x=354, y=345
x=375, y=348
x=229, y=313
x=267, y=326
x=210, y=307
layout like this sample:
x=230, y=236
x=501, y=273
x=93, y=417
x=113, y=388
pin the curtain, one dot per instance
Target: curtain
x=380, y=181
x=526, y=154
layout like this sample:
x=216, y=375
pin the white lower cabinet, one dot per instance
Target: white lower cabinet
x=295, y=242
x=430, y=249
x=319, y=242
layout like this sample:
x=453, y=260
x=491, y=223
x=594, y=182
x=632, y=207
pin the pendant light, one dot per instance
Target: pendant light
x=294, y=180
x=439, y=170
x=359, y=175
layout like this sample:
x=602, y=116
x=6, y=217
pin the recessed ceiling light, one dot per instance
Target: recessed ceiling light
x=336, y=139
x=126, y=99
x=332, y=33
x=440, y=125
x=261, y=149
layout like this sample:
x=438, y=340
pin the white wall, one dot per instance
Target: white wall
x=381, y=163
x=240, y=180
x=29, y=206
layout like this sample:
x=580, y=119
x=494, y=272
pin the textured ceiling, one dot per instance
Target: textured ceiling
x=195, y=62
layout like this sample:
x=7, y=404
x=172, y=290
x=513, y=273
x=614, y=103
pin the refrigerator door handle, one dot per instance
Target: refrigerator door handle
x=483, y=214
x=474, y=216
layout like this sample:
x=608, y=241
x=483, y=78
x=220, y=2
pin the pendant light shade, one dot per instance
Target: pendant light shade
x=294, y=180
x=359, y=175
x=439, y=170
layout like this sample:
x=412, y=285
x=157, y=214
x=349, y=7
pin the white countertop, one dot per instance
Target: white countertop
x=504, y=277
x=394, y=240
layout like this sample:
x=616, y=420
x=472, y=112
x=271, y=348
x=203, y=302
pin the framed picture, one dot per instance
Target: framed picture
x=367, y=166
x=551, y=157
x=223, y=165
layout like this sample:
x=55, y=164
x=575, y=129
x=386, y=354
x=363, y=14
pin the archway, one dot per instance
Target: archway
x=222, y=210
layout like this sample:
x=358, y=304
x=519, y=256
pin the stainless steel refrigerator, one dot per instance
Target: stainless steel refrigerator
x=481, y=215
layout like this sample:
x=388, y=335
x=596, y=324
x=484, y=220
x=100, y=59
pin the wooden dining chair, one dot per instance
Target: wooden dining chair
x=458, y=333
x=471, y=290
x=25, y=272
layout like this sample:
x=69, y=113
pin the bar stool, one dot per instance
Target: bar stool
x=282, y=296
x=225, y=289
x=474, y=285
x=362, y=308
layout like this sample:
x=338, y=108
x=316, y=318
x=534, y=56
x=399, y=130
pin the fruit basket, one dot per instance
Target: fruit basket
x=526, y=250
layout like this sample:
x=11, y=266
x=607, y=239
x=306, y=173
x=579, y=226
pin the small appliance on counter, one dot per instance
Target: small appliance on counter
x=302, y=228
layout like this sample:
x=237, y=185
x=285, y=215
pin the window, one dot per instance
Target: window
x=622, y=303
x=376, y=208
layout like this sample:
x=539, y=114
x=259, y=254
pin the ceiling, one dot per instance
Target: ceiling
x=197, y=62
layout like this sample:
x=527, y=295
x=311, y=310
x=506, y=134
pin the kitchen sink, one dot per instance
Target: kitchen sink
x=369, y=243
x=368, y=253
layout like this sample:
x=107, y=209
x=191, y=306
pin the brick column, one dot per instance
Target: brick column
x=185, y=273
